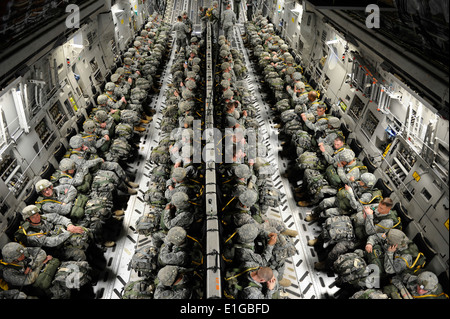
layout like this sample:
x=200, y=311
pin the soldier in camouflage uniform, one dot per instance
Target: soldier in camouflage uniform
x=260, y=284
x=104, y=121
x=242, y=251
x=174, y=283
x=22, y=264
x=58, y=199
x=178, y=212
x=96, y=139
x=424, y=285
x=79, y=158
x=52, y=231
x=345, y=202
x=376, y=218
x=393, y=252
x=174, y=249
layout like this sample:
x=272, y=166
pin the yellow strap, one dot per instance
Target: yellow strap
x=364, y=203
x=399, y=221
x=230, y=237
x=35, y=234
x=48, y=200
x=414, y=263
x=339, y=150
x=424, y=296
x=194, y=240
x=247, y=270
x=228, y=203
x=3, y=285
x=61, y=176
x=227, y=260
x=111, y=97
x=7, y=264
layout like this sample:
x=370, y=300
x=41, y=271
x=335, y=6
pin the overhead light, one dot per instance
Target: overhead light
x=17, y=97
x=332, y=42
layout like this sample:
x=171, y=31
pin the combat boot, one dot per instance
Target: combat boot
x=109, y=243
x=139, y=129
x=311, y=218
x=313, y=242
x=304, y=203
x=132, y=185
x=131, y=191
x=144, y=121
x=285, y=282
x=290, y=232
x=118, y=212
x=320, y=265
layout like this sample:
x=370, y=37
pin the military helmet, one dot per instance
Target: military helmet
x=110, y=86
x=101, y=116
x=66, y=164
x=12, y=251
x=226, y=76
x=115, y=77
x=242, y=171
x=190, y=84
x=333, y=121
x=179, y=173
x=248, y=198
x=247, y=233
x=187, y=94
x=297, y=76
x=127, y=61
x=137, y=43
x=368, y=179
x=89, y=126
x=225, y=65
x=397, y=237
x=102, y=99
x=228, y=94
x=176, y=235
x=180, y=200
x=120, y=71
x=29, y=211
x=347, y=155
x=427, y=280
x=76, y=141
x=42, y=184
x=290, y=70
x=167, y=275
x=299, y=85
x=189, y=120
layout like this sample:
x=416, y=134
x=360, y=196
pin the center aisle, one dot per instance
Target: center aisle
x=307, y=283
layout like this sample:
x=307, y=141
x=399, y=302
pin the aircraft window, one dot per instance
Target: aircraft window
x=426, y=194
x=370, y=123
x=3, y=133
x=356, y=108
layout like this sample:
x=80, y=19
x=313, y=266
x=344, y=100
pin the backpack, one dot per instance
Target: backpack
x=310, y=160
x=44, y=280
x=141, y=289
x=338, y=228
x=104, y=181
x=148, y=223
x=350, y=267
x=145, y=260
x=73, y=274
x=77, y=211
